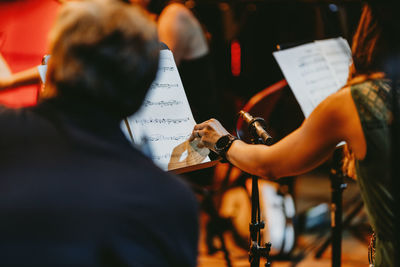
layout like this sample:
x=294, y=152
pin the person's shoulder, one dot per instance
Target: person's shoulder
x=334, y=114
x=336, y=104
x=176, y=8
x=176, y=12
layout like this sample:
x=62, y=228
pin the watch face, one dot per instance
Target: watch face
x=222, y=142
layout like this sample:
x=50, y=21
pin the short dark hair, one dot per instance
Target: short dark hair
x=105, y=53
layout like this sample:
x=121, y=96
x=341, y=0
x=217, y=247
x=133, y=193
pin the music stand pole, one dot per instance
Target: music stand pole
x=257, y=129
x=256, y=249
x=337, y=185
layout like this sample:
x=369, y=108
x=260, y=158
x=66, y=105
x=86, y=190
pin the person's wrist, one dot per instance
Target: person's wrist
x=223, y=144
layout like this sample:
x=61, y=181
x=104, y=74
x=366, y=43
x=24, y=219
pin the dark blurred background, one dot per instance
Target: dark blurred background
x=252, y=27
x=243, y=35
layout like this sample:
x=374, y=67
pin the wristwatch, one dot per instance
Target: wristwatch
x=223, y=144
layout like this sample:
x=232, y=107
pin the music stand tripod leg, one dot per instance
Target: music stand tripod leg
x=337, y=186
x=256, y=249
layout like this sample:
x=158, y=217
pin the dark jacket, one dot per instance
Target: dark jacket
x=73, y=191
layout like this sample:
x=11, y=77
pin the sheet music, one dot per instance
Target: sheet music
x=164, y=123
x=4, y=69
x=337, y=52
x=315, y=70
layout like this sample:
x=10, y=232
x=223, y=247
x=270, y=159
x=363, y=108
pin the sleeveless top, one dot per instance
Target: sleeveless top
x=200, y=86
x=373, y=102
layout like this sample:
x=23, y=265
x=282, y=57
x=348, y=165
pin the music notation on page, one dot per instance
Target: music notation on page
x=164, y=69
x=164, y=85
x=162, y=103
x=310, y=60
x=315, y=70
x=160, y=137
x=160, y=157
x=161, y=121
x=165, y=122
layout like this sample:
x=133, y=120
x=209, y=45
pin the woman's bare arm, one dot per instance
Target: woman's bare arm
x=334, y=120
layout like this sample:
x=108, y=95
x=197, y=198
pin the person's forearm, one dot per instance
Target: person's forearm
x=286, y=158
x=29, y=76
x=251, y=158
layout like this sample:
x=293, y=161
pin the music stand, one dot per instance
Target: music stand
x=271, y=104
x=336, y=177
x=337, y=184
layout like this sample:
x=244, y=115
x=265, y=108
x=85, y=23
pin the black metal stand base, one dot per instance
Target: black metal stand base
x=337, y=186
x=256, y=250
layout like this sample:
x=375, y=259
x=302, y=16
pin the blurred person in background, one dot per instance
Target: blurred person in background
x=181, y=31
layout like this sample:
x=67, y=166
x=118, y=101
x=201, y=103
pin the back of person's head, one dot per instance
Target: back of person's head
x=104, y=53
x=376, y=40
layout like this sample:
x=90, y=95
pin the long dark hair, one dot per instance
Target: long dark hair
x=376, y=40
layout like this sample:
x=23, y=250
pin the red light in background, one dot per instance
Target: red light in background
x=235, y=58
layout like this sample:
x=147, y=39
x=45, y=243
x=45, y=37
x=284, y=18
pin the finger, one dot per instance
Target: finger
x=201, y=133
x=198, y=126
x=200, y=145
x=202, y=125
x=193, y=136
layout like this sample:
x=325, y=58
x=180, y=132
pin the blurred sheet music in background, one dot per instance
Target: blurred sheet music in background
x=315, y=70
x=164, y=123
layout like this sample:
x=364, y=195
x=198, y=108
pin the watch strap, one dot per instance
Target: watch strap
x=222, y=150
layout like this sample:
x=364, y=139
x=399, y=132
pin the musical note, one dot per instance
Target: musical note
x=159, y=137
x=156, y=85
x=164, y=69
x=310, y=60
x=162, y=104
x=161, y=121
x=311, y=71
x=321, y=80
x=161, y=157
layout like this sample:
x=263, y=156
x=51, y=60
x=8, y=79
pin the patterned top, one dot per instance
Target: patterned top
x=373, y=102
